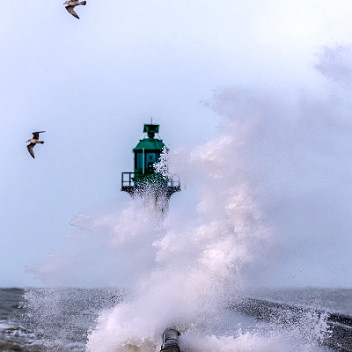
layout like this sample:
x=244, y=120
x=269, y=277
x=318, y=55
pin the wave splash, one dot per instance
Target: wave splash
x=198, y=262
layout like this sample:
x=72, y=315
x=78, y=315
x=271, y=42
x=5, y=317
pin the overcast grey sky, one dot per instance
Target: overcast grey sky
x=92, y=83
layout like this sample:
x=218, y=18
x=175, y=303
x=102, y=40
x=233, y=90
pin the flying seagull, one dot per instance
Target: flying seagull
x=33, y=142
x=71, y=4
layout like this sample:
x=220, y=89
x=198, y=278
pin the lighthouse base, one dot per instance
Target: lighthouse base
x=137, y=183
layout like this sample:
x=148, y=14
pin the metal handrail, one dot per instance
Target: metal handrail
x=129, y=182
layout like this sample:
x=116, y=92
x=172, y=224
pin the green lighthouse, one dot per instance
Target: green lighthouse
x=147, y=151
x=148, y=178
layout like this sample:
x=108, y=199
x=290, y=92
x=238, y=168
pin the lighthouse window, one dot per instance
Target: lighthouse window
x=139, y=160
x=146, y=160
x=150, y=160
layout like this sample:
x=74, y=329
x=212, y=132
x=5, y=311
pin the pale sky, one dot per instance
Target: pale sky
x=92, y=83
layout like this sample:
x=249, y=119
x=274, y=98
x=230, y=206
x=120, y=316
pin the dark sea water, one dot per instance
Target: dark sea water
x=50, y=319
x=333, y=300
x=61, y=319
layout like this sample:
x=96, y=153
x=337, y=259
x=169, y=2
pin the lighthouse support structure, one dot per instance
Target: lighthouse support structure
x=167, y=187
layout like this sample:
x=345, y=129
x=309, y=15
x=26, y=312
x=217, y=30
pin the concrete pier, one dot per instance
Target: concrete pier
x=338, y=336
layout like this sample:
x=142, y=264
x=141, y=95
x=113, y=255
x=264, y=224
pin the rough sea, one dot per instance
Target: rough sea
x=50, y=319
x=63, y=320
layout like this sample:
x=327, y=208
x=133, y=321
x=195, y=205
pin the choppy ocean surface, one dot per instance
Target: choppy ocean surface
x=333, y=300
x=50, y=319
x=61, y=319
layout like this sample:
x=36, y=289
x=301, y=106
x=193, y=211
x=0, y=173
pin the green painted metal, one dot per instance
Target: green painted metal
x=151, y=129
x=144, y=178
x=150, y=144
x=148, y=151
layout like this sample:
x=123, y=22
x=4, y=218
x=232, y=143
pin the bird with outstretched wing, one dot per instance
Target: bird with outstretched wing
x=71, y=4
x=33, y=141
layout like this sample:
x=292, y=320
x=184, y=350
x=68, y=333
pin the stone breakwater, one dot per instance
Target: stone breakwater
x=338, y=332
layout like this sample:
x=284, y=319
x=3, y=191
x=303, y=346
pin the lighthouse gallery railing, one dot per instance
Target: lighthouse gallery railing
x=128, y=181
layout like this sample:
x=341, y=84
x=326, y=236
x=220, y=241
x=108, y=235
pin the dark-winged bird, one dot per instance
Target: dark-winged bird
x=71, y=4
x=33, y=142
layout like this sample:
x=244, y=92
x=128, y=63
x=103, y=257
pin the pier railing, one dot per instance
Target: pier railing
x=132, y=181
